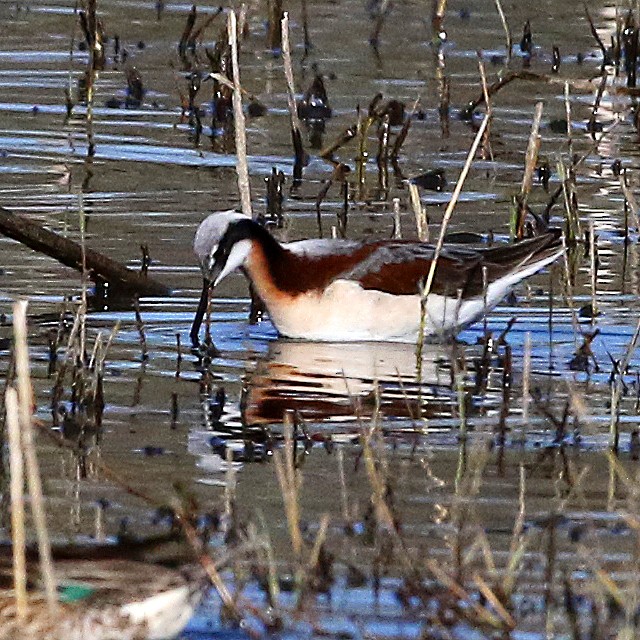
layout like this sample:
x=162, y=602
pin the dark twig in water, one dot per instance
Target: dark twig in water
x=344, y=211
x=630, y=44
x=140, y=328
x=404, y=132
x=467, y=112
x=339, y=174
x=274, y=25
x=606, y=58
x=184, y=39
x=379, y=15
x=556, y=60
x=382, y=159
x=526, y=43
x=195, y=36
x=593, y=126
x=275, y=196
x=305, y=27
x=343, y=138
x=146, y=259
x=178, y=355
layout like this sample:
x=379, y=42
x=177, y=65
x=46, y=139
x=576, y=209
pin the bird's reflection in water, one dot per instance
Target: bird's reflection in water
x=333, y=388
x=345, y=381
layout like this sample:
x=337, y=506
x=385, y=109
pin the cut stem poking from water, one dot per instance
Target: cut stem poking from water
x=242, y=167
x=531, y=159
x=296, y=136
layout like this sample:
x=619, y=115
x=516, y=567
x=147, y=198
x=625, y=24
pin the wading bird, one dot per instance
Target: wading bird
x=352, y=291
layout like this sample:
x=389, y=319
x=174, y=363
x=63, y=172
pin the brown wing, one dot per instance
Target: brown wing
x=400, y=268
x=407, y=277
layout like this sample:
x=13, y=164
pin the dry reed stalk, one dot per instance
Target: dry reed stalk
x=107, y=347
x=437, y=20
x=344, y=500
x=25, y=395
x=567, y=110
x=397, y=222
x=487, y=151
x=445, y=222
x=16, y=465
x=378, y=486
x=229, y=484
x=531, y=159
x=420, y=213
x=494, y=601
x=273, y=584
x=569, y=296
x=242, y=168
x=210, y=567
x=296, y=136
x=321, y=537
x=97, y=345
x=290, y=482
x=507, y=31
x=517, y=546
x=568, y=179
x=288, y=73
x=483, y=614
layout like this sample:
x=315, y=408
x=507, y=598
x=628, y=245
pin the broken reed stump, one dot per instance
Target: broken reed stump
x=101, y=269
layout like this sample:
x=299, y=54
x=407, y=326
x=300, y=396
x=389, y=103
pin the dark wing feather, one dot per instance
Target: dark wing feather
x=401, y=268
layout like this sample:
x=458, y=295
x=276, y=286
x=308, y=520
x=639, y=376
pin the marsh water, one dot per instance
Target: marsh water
x=156, y=174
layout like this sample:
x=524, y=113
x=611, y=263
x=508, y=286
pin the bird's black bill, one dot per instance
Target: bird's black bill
x=202, y=308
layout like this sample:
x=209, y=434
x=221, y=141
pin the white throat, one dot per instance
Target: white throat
x=237, y=257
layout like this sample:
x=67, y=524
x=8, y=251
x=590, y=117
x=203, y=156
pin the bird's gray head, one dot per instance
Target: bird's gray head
x=208, y=236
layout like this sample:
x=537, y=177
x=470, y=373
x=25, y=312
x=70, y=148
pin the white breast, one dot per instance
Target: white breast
x=345, y=312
